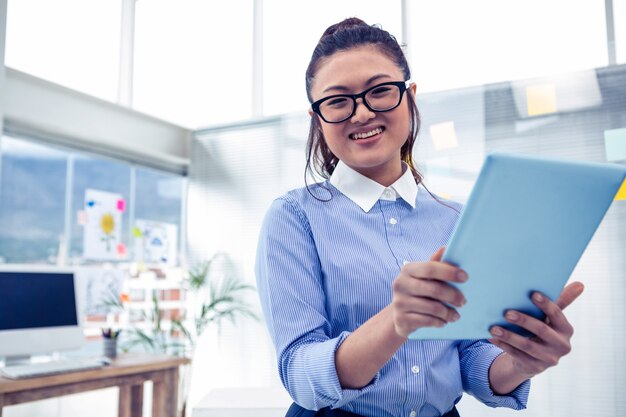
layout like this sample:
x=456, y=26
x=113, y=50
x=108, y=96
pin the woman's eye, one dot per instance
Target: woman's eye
x=337, y=102
x=380, y=91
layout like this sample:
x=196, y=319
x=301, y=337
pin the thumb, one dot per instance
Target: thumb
x=569, y=294
x=438, y=255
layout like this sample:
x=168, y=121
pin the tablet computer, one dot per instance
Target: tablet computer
x=527, y=222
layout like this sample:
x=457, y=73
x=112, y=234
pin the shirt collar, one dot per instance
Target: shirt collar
x=366, y=192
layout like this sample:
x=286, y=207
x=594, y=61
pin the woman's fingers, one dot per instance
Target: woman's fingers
x=423, y=296
x=440, y=271
x=547, y=348
x=524, y=364
x=426, y=307
x=436, y=257
x=555, y=319
x=410, y=315
x=570, y=293
x=409, y=322
x=429, y=288
x=551, y=340
x=531, y=356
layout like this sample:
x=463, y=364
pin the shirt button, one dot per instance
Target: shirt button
x=393, y=221
x=413, y=413
x=415, y=369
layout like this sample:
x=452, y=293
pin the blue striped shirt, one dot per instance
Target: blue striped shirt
x=324, y=268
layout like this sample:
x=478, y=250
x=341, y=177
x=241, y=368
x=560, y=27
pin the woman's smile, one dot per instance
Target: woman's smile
x=367, y=134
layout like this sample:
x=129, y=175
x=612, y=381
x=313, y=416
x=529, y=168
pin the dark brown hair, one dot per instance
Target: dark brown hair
x=345, y=35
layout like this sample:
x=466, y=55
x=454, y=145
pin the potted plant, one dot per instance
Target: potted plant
x=217, y=294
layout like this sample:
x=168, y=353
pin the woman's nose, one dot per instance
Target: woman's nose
x=361, y=113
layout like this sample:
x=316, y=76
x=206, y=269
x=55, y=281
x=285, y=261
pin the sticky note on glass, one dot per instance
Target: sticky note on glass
x=121, y=205
x=137, y=232
x=541, y=99
x=81, y=218
x=621, y=193
x=615, y=144
x=444, y=135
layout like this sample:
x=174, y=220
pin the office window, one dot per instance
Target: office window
x=193, y=61
x=457, y=44
x=74, y=43
x=289, y=43
x=32, y=202
x=107, y=200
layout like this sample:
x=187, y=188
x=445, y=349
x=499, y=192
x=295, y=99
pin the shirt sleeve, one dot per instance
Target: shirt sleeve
x=289, y=281
x=476, y=357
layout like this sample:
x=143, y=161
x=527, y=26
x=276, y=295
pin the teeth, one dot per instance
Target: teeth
x=365, y=135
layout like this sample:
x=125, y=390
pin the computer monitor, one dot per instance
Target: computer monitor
x=39, y=312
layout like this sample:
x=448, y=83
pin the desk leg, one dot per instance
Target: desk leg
x=131, y=401
x=123, y=408
x=165, y=395
x=136, y=400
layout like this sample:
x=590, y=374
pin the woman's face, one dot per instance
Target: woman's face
x=368, y=142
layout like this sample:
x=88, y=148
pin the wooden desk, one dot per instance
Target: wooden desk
x=128, y=372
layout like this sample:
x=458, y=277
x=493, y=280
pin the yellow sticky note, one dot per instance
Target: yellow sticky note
x=621, y=194
x=541, y=99
x=444, y=135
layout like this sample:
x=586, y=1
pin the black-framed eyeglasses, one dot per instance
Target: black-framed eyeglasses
x=379, y=98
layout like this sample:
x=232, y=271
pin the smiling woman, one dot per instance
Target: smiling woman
x=362, y=266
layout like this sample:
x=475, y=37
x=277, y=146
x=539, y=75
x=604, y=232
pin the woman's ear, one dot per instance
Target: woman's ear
x=413, y=88
x=310, y=112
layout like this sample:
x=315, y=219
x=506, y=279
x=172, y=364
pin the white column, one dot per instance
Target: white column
x=127, y=48
x=257, y=59
x=610, y=31
x=3, y=31
x=405, y=15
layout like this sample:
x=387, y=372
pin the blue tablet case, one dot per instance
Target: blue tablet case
x=526, y=224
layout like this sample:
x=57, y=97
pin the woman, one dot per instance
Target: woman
x=348, y=268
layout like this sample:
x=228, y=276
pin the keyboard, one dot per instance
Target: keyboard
x=51, y=368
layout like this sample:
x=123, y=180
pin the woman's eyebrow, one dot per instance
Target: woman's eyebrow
x=368, y=82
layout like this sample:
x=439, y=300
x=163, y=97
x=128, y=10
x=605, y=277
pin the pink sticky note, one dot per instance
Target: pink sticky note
x=81, y=218
x=121, y=249
x=121, y=205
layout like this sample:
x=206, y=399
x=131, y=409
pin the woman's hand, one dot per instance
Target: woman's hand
x=422, y=296
x=551, y=340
